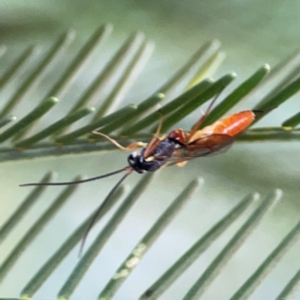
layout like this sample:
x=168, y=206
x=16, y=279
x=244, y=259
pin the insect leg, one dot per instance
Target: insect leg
x=156, y=139
x=113, y=141
x=160, y=122
x=204, y=115
x=181, y=163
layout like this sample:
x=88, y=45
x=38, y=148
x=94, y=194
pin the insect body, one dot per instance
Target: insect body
x=177, y=147
x=155, y=159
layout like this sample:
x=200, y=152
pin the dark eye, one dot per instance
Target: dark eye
x=132, y=158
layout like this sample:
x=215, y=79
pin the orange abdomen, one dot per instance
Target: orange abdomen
x=233, y=124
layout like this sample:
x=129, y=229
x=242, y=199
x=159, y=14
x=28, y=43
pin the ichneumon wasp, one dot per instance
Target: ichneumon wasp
x=177, y=147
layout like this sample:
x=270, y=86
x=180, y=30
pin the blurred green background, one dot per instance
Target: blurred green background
x=252, y=33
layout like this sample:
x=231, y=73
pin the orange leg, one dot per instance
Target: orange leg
x=181, y=163
x=128, y=148
x=204, y=116
x=155, y=140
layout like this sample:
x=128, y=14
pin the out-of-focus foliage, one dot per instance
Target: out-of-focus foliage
x=252, y=34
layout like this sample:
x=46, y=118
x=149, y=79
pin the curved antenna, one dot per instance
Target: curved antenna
x=77, y=181
x=100, y=209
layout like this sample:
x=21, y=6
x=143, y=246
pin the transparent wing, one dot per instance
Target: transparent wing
x=204, y=146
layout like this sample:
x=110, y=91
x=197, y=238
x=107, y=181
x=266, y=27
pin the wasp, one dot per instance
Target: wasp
x=175, y=148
